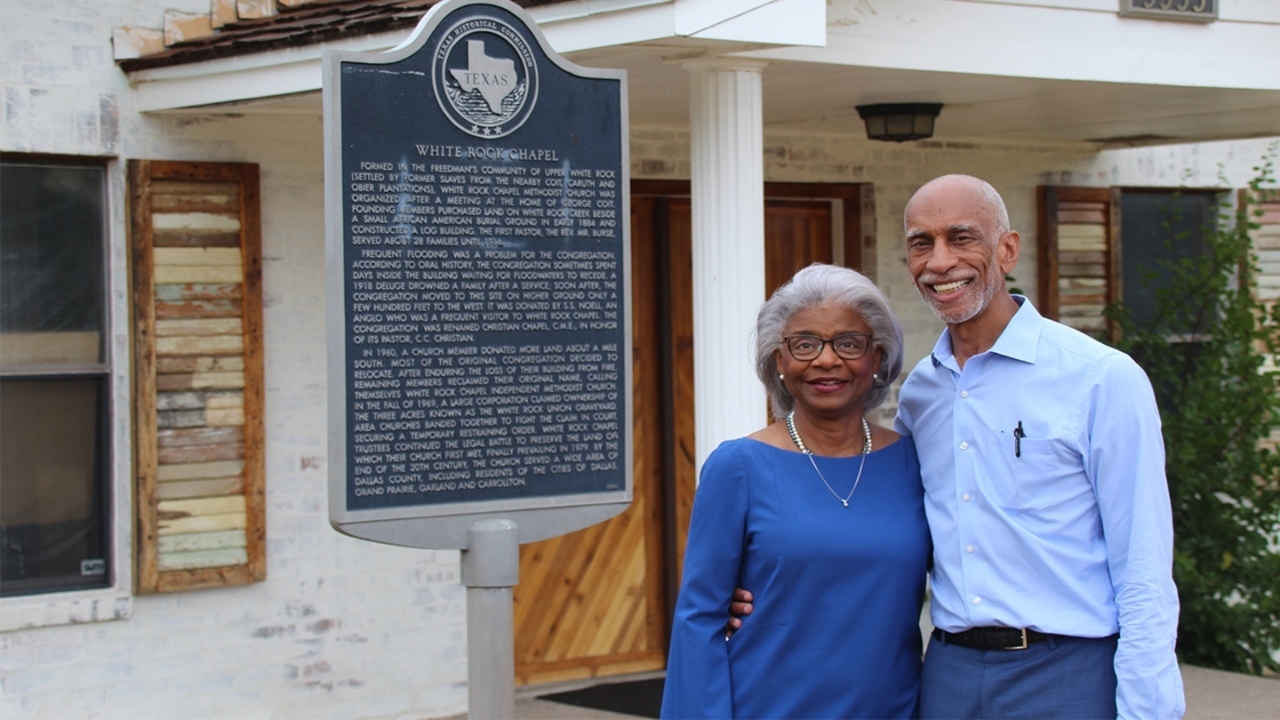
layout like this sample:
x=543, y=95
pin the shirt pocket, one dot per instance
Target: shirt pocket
x=1027, y=474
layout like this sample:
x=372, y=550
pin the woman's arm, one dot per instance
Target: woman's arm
x=698, y=683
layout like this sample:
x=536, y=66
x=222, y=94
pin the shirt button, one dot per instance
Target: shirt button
x=964, y=393
x=969, y=549
x=965, y=497
x=977, y=601
x=964, y=446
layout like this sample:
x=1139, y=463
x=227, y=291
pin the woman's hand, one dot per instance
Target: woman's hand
x=739, y=607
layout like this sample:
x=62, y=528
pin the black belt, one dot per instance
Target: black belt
x=992, y=638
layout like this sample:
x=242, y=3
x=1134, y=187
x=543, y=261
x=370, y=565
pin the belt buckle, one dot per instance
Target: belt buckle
x=1024, y=644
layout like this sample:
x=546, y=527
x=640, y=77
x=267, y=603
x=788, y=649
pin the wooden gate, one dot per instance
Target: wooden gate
x=597, y=602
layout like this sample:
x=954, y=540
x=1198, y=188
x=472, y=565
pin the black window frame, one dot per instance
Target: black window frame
x=101, y=371
x=1217, y=197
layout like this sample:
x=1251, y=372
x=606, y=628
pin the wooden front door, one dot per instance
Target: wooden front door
x=587, y=603
x=597, y=602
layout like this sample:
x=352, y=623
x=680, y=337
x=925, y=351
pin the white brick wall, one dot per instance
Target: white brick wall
x=343, y=628
x=896, y=171
x=1015, y=169
x=62, y=93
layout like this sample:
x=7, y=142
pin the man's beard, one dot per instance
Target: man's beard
x=976, y=300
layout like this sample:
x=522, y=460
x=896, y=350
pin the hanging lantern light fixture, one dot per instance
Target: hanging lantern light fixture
x=899, y=122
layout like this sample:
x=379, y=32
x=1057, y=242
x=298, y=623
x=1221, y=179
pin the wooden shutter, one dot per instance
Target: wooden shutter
x=1079, y=272
x=197, y=312
x=1266, y=243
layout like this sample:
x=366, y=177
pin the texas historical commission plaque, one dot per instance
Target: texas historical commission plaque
x=478, y=278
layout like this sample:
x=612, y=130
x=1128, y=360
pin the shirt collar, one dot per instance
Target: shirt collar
x=1018, y=341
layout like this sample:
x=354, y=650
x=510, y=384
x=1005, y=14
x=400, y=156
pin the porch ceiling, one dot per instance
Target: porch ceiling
x=805, y=96
x=815, y=97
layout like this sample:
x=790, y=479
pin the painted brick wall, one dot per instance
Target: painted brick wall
x=341, y=628
x=895, y=171
x=1014, y=169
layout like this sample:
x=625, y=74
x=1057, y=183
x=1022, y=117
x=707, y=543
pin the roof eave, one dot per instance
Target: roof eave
x=569, y=27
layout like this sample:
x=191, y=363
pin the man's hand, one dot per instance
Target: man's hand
x=739, y=607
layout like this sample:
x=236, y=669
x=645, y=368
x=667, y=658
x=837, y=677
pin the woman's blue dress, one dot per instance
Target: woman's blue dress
x=838, y=590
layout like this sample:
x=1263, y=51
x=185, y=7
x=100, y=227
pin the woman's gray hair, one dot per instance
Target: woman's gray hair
x=815, y=286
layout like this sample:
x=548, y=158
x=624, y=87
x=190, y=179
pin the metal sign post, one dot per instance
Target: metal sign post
x=490, y=568
x=478, y=301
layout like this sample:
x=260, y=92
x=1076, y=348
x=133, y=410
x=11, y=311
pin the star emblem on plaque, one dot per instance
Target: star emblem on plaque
x=485, y=77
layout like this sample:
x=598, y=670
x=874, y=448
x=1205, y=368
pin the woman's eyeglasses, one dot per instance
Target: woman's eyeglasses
x=849, y=346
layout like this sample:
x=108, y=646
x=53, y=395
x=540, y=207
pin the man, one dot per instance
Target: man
x=1043, y=467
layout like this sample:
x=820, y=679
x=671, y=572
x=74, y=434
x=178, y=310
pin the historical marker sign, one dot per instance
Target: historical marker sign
x=478, y=283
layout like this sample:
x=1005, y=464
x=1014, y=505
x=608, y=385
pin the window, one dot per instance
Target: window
x=1157, y=227
x=54, y=378
x=1103, y=245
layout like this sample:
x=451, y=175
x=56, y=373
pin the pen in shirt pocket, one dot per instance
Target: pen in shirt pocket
x=1018, y=434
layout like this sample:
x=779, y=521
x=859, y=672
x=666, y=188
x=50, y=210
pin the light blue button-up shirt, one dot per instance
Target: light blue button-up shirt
x=1065, y=529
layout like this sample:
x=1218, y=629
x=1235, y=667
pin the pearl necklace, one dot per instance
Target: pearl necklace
x=866, y=448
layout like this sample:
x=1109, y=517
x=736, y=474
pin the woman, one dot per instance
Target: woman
x=820, y=515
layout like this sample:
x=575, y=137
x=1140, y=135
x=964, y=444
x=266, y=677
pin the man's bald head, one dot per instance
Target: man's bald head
x=991, y=203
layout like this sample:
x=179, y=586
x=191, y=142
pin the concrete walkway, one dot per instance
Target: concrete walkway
x=1215, y=695
x=1211, y=695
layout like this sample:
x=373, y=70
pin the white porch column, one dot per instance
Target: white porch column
x=727, y=179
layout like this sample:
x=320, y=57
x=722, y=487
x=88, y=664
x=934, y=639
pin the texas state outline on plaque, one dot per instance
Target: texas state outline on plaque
x=495, y=78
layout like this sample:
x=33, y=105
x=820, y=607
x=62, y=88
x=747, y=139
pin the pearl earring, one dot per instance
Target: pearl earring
x=781, y=377
x=875, y=377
